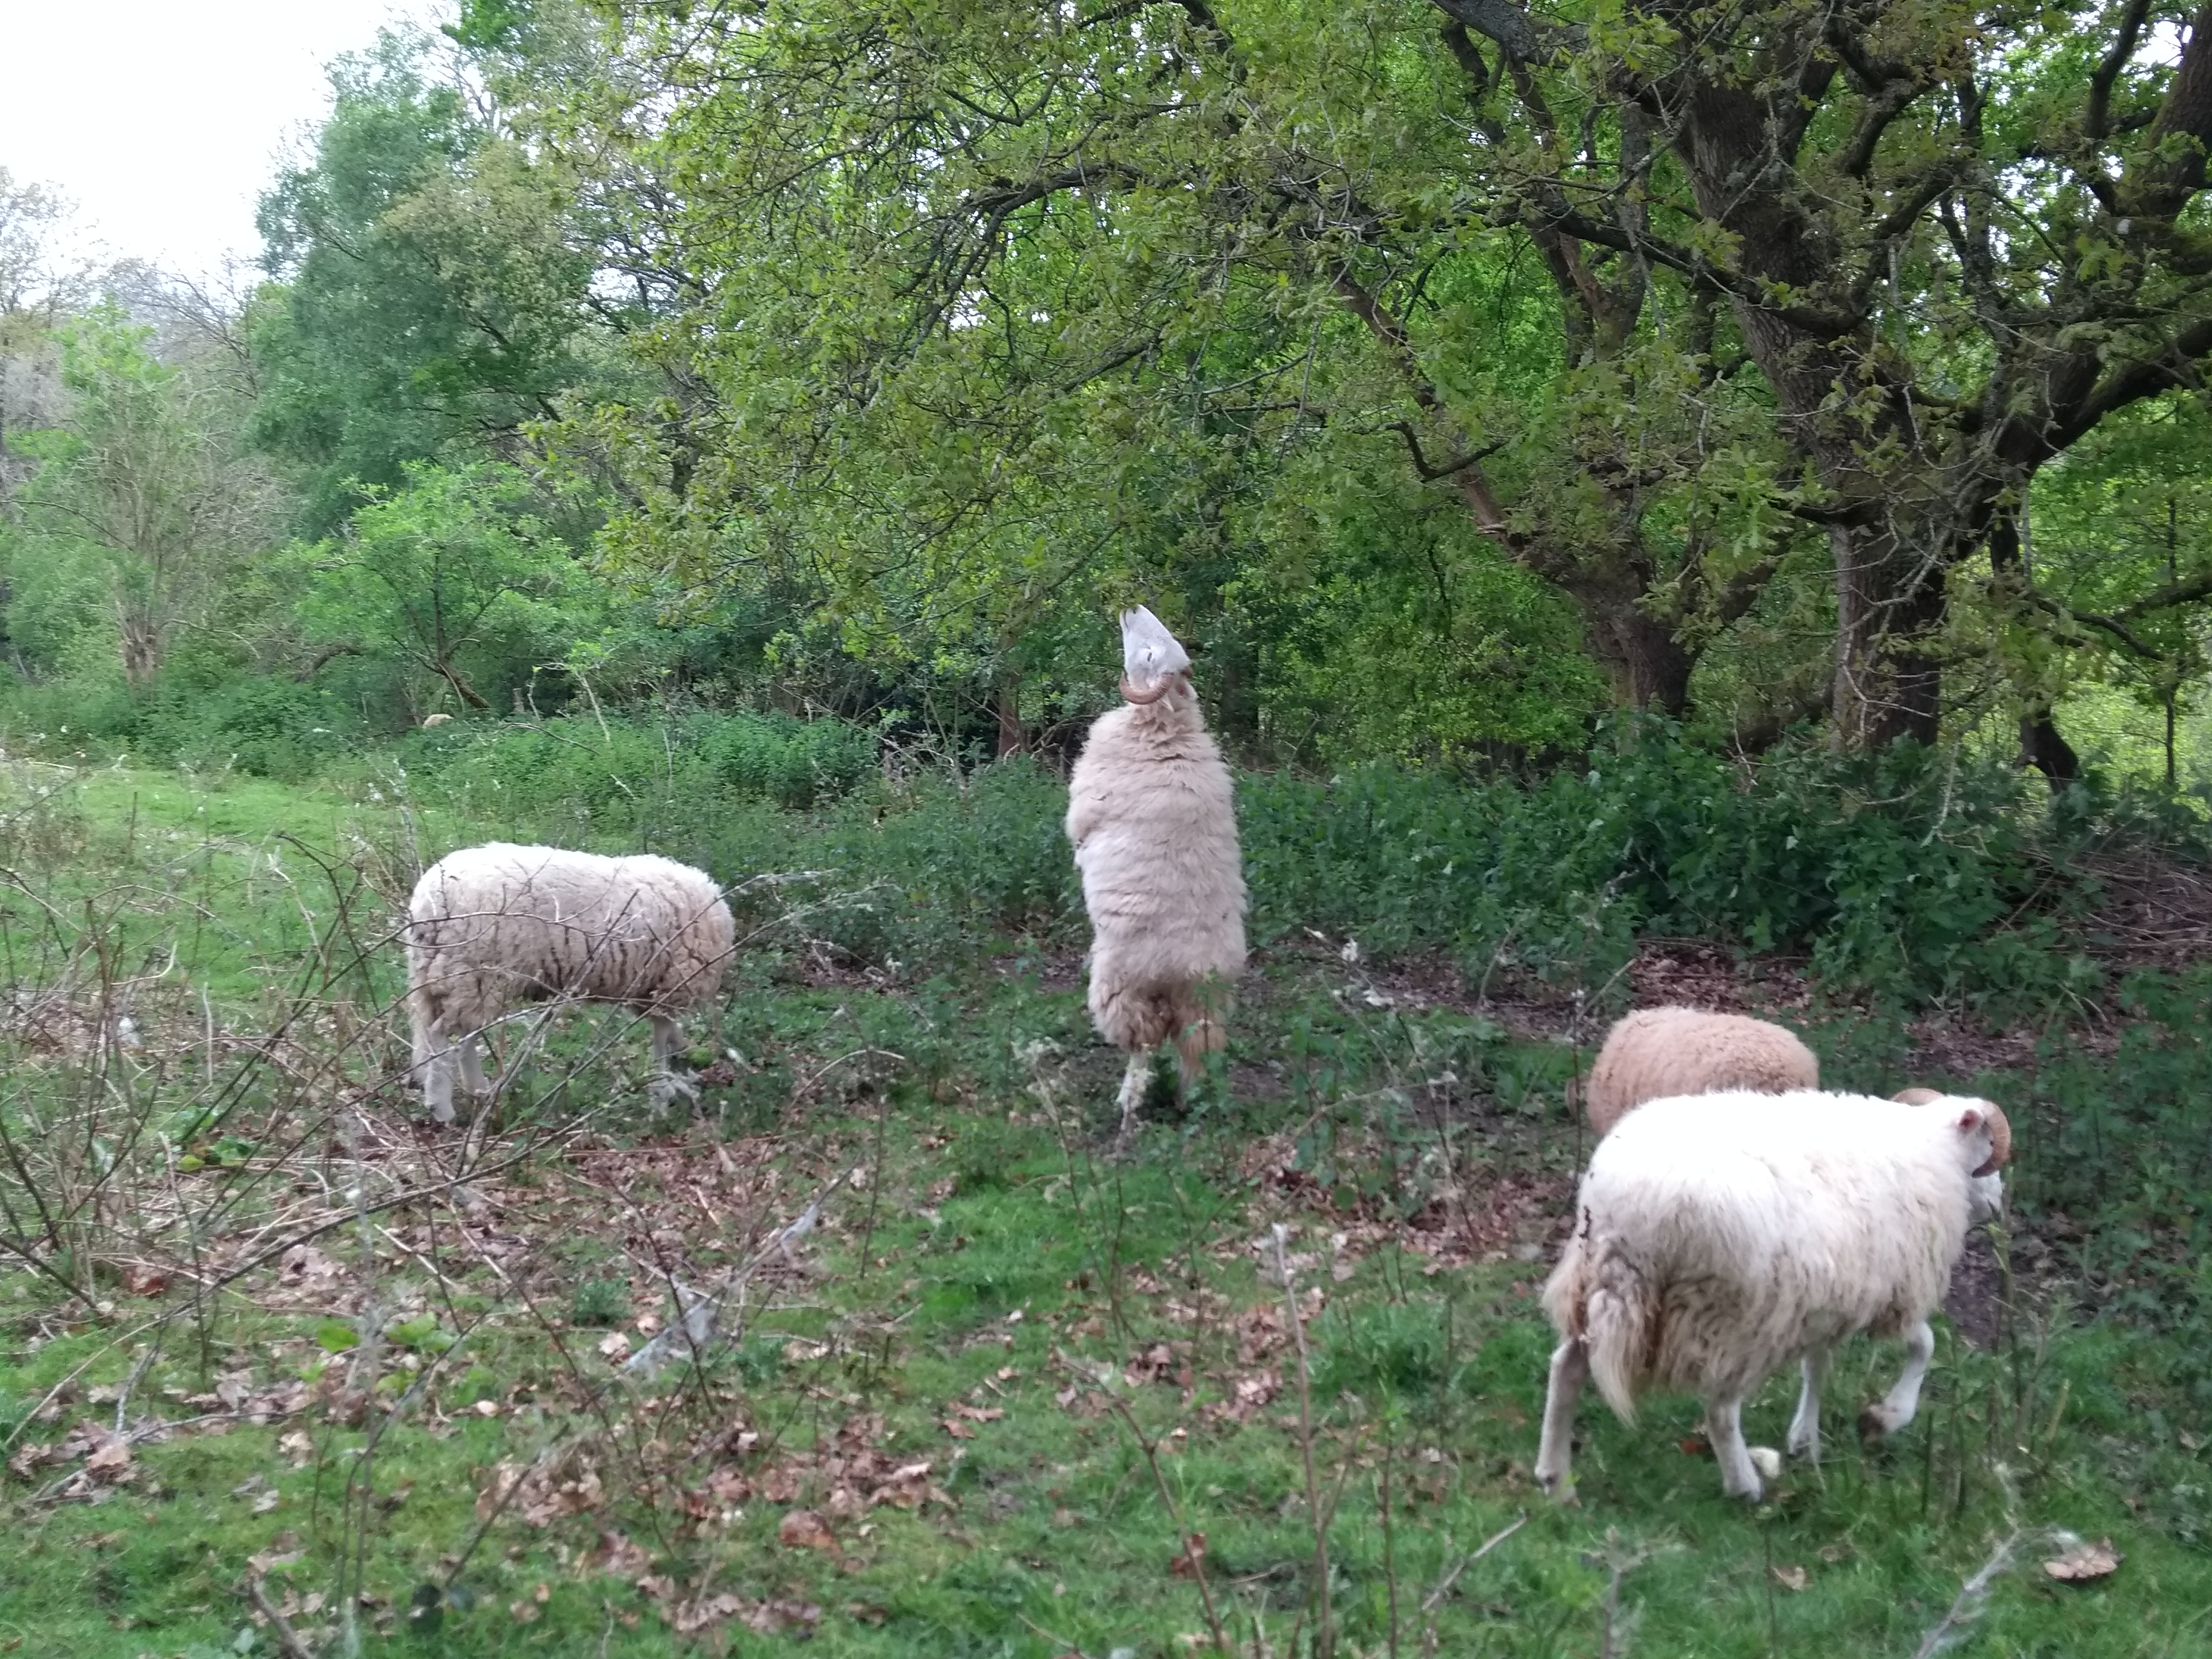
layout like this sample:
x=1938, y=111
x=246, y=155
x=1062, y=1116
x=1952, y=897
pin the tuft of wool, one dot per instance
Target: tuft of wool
x=1718, y=1237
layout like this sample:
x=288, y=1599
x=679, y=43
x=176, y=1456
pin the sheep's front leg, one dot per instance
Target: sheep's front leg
x=1898, y=1405
x=1134, y=1081
x=434, y=1070
x=1739, y=1475
x=1805, y=1428
x=667, y=1082
x=472, y=1071
x=1555, y=1453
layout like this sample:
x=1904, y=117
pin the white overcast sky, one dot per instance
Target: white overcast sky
x=164, y=120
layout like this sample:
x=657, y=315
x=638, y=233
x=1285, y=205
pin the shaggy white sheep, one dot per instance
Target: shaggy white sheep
x=1654, y=1053
x=493, y=927
x=1718, y=1237
x=1153, y=821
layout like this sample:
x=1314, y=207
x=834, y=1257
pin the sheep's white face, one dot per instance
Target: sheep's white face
x=1151, y=657
x=1985, y=1197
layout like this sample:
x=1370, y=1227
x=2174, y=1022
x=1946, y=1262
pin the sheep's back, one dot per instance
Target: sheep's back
x=492, y=925
x=1653, y=1052
x=1152, y=811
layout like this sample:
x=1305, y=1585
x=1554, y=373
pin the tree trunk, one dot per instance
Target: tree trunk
x=140, y=643
x=462, y=689
x=1646, y=665
x=2042, y=747
x=1011, y=740
x=1889, y=607
x=2041, y=744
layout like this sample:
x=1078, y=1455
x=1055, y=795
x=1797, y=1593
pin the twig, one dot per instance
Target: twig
x=1059, y=1642
x=696, y=1330
x=1444, y=1586
x=1324, y=1643
x=1184, y=1536
x=137, y=1370
x=287, y=1640
x=1967, y=1606
x=1389, y=1556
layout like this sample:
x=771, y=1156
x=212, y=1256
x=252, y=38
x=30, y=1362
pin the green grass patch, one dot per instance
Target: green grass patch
x=263, y=1327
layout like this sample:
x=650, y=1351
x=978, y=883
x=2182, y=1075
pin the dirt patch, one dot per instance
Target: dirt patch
x=1977, y=1288
x=1057, y=967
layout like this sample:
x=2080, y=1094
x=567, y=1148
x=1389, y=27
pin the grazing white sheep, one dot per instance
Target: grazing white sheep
x=1719, y=1236
x=1654, y=1053
x=1153, y=821
x=491, y=928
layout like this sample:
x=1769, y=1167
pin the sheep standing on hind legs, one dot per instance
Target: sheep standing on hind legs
x=1153, y=821
x=494, y=927
x=1719, y=1236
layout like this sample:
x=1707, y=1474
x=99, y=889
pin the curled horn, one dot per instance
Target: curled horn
x=2000, y=1139
x=1916, y=1096
x=1130, y=692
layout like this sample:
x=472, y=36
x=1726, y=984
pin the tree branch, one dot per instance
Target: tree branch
x=1510, y=26
x=2097, y=110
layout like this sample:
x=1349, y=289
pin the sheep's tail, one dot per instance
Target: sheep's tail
x=1597, y=1295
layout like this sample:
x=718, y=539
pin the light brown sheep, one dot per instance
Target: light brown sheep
x=1655, y=1053
x=1153, y=816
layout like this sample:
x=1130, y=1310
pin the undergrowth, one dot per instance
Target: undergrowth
x=286, y=1365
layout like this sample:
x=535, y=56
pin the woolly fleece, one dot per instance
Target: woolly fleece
x=493, y=927
x=1657, y=1052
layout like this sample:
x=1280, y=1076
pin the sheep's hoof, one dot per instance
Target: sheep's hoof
x=666, y=1088
x=1558, y=1488
x=1873, y=1425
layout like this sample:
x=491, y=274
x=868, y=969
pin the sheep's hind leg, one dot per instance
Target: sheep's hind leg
x=1738, y=1469
x=667, y=1082
x=1805, y=1428
x=1555, y=1453
x=1898, y=1405
x=1134, y=1081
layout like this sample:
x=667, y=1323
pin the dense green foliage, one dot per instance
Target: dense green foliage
x=831, y=361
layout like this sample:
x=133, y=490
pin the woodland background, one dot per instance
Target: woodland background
x=1425, y=369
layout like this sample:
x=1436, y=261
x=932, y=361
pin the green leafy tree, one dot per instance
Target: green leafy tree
x=454, y=574
x=141, y=506
x=428, y=293
x=1667, y=303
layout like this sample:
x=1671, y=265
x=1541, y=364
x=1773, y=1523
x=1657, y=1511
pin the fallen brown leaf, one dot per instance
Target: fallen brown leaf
x=803, y=1529
x=2085, y=1562
x=1790, y=1579
x=1190, y=1561
x=110, y=1461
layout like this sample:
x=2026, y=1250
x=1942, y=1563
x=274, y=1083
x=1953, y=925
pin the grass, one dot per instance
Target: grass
x=1038, y=1401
